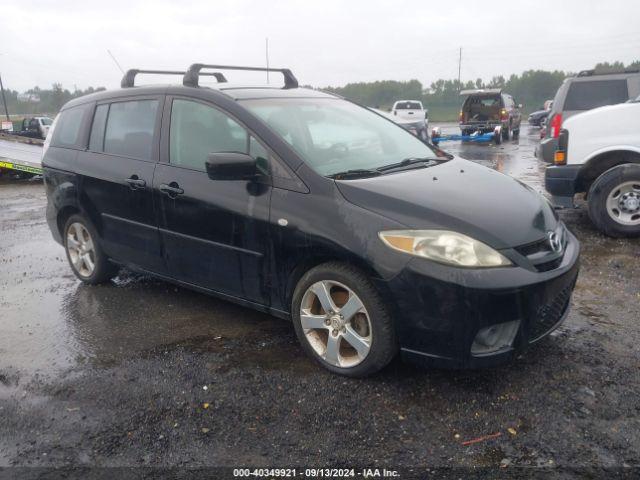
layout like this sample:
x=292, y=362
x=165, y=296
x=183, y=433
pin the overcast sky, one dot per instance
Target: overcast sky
x=324, y=42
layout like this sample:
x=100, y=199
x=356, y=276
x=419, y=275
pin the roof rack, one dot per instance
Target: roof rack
x=590, y=73
x=191, y=77
x=130, y=77
x=480, y=91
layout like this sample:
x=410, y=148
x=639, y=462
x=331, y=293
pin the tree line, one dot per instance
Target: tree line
x=50, y=100
x=531, y=88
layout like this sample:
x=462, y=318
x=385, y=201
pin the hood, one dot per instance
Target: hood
x=539, y=113
x=608, y=111
x=457, y=195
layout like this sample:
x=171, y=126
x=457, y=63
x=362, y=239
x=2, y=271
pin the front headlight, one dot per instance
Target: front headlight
x=444, y=246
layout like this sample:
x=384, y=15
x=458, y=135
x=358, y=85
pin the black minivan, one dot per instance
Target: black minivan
x=309, y=207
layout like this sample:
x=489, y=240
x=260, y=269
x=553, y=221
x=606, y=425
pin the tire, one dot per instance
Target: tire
x=506, y=133
x=371, y=328
x=607, y=196
x=82, y=246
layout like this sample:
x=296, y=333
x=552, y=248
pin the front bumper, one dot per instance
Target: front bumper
x=561, y=182
x=443, y=308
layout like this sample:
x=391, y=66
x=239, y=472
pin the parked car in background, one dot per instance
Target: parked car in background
x=538, y=117
x=309, y=207
x=35, y=127
x=585, y=91
x=485, y=109
x=598, y=153
x=412, y=116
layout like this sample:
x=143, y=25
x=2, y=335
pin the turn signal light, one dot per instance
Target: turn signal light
x=560, y=157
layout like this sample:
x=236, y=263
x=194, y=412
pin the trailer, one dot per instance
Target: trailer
x=476, y=137
x=20, y=156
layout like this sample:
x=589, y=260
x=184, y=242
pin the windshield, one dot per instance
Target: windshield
x=334, y=135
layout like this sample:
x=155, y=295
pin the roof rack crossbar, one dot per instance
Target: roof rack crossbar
x=191, y=77
x=129, y=78
x=590, y=73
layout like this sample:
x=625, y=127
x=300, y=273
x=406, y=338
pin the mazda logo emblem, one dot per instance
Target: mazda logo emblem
x=555, y=242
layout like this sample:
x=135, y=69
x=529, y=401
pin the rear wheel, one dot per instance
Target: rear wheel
x=506, y=133
x=342, y=322
x=85, y=255
x=614, y=201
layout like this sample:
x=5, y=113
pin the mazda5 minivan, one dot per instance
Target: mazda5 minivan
x=309, y=207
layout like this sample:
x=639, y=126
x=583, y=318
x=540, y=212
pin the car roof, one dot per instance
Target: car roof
x=481, y=91
x=233, y=91
x=590, y=76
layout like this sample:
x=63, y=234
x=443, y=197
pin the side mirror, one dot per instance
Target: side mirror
x=231, y=166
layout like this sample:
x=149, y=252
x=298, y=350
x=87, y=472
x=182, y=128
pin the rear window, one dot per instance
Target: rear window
x=68, y=126
x=130, y=128
x=480, y=101
x=408, y=106
x=588, y=95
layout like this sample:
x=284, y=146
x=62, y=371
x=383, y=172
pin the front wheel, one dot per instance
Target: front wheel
x=614, y=201
x=342, y=322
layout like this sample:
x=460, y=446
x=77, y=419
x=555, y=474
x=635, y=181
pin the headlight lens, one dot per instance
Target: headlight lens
x=446, y=247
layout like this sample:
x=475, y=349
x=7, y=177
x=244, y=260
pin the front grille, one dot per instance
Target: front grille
x=548, y=315
x=541, y=255
x=546, y=266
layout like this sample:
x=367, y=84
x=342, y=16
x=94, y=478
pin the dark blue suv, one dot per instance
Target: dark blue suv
x=309, y=207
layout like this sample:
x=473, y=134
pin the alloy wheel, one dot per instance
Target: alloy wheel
x=336, y=324
x=81, y=249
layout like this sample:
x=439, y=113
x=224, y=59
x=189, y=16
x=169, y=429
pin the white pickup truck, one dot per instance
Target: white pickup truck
x=411, y=115
x=598, y=154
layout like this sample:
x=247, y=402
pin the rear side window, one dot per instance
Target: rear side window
x=130, y=128
x=96, y=140
x=68, y=126
x=198, y=130
x=588, y=95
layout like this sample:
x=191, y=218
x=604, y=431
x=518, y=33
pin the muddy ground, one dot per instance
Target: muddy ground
x=140, y=372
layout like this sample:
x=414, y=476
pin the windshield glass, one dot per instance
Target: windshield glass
x=333, y=135
x=46, y=121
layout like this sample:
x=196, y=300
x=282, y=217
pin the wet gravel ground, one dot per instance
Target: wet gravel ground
x=140, y=372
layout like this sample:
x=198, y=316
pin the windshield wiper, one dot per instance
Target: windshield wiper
x=424, y=162
x=354, y=173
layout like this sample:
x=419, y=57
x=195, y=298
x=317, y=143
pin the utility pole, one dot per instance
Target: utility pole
x=4, y=100
x=267, y=54
x=459, y=68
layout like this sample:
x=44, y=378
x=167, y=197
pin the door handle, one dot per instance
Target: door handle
x=172, y=190
x=135, y=182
